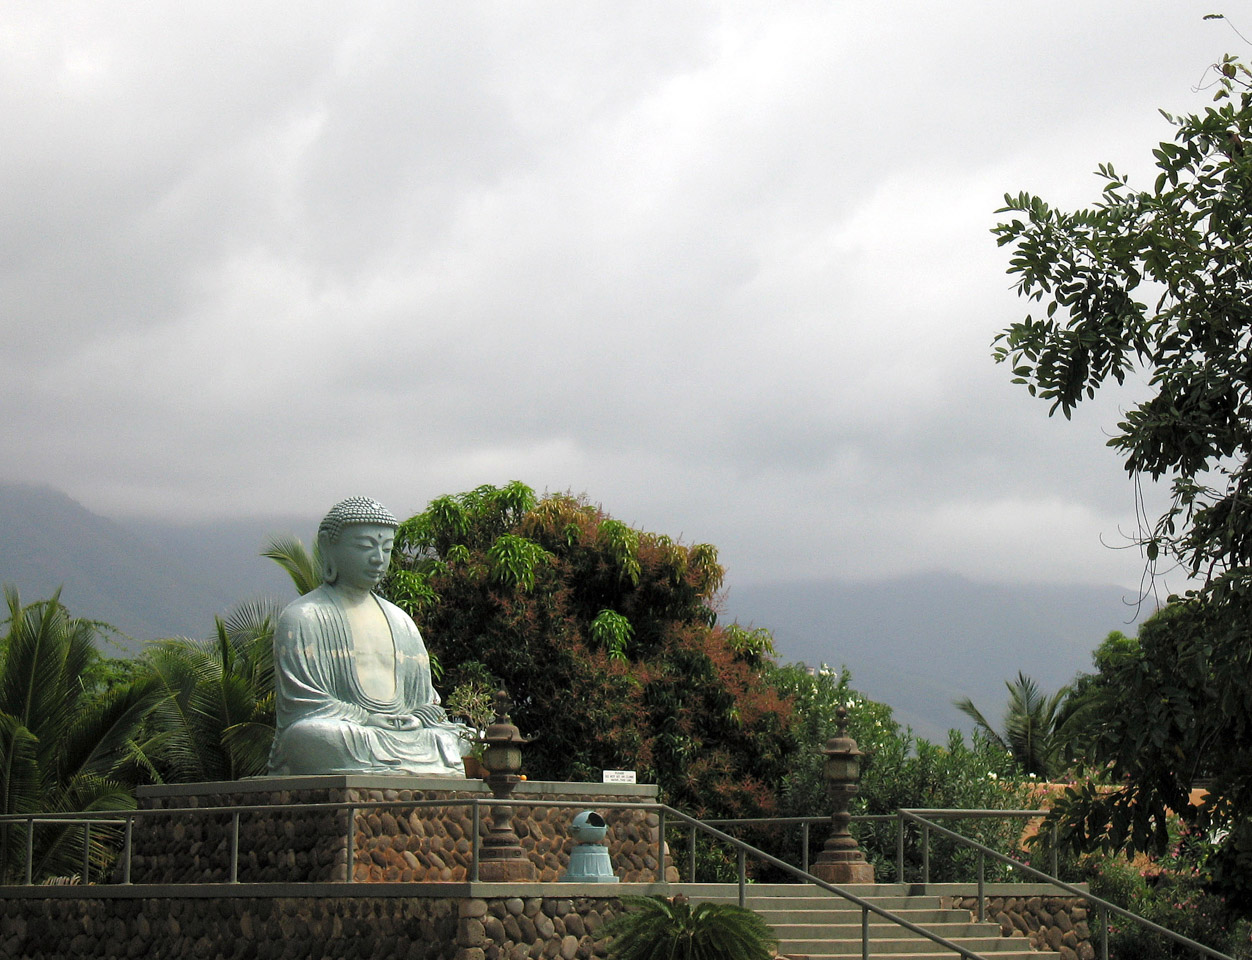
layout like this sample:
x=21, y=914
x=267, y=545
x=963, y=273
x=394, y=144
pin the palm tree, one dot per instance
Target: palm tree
x=63, y=745
x=660, y=929
x=304, y=567
x=216, y=719
x=1032, y=725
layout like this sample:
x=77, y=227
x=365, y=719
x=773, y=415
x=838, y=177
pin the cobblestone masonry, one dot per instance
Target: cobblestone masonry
x=418, y=844
x=305, y=928
x=1051, y=923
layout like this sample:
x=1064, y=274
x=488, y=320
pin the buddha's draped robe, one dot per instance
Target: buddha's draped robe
x=321, y=710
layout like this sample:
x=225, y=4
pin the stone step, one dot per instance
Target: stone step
x=894, y=946
x=836, y=905
x=811, y=919
x=865, y=890
x=813, y=923
x=952, y=930
x=1026, y=954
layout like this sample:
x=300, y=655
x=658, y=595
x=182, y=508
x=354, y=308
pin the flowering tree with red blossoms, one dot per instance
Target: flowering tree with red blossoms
x=606, y=638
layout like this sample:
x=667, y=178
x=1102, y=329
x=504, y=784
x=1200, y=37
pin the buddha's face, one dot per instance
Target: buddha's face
x=361, y=554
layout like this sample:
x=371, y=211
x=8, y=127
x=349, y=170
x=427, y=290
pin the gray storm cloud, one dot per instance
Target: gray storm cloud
x=725, y=268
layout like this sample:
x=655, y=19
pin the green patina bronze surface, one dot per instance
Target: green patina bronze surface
x=352, y=676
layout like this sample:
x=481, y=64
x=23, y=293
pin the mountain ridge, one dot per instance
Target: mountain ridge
x=915, y=642
x=977, y=636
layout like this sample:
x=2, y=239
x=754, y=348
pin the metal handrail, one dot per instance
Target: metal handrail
x=127, y=817
x=663, y=811
x=70, y=819
x=867, y=906
x=856, y=818
x=1105, y=906
x=804, y=822
x=972, y=814
x=924, y=817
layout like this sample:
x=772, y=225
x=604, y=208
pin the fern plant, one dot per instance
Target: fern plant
x=655, y=928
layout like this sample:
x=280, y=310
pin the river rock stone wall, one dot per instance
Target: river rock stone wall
x=1051, y=923
x=395, y=844
x=307, y=928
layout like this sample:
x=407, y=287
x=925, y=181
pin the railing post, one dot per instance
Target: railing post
x=127, y=840
x=86, y=853
x=864, y=933
x=30, y=848
x=982, y=901
x=350, y=866
x=743, y=878
x=1104, y=933
x=234, y=848
x=804, y=846
x=899, y=846
x=1056, y=870
x=691, y=858
x=476, y=830
x=660, y=846
x=925, y=852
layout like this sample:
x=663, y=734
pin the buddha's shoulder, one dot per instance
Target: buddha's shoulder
x=312, y=606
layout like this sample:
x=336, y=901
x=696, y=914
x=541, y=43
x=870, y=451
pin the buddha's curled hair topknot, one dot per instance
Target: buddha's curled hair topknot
x=352, y=511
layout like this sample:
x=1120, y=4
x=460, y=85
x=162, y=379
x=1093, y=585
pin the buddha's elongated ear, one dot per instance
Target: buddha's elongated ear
x=325, y=548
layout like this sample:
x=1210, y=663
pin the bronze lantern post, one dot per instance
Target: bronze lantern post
x=502, y=857
x=841, y=860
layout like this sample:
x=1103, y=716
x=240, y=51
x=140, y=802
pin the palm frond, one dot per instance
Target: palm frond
x=655, y=928
x=248, y=745
x=1031, y=732
x=214, y=687
x=304, y=568
x=62, y=743
x=966, y=706
x=100, y=738
x=19, y=767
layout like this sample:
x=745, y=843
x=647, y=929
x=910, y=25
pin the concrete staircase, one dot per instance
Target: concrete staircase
x=809, y=922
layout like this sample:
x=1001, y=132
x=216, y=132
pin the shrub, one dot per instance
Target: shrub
x=1170, y=891
x=898, y=770
x=676, y=930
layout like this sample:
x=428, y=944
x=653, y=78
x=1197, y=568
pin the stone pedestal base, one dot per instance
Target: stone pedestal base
x=506, y=871
x=847, y=871
x=421, y=844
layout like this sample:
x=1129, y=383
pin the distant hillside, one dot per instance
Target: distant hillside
x=918, y=643
x=148, y=580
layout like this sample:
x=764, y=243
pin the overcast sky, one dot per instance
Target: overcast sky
x=724, y=267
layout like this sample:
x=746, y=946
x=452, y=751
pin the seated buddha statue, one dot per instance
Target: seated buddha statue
x=352, y=677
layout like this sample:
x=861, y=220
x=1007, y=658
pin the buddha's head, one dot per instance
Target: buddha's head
x=354, y=540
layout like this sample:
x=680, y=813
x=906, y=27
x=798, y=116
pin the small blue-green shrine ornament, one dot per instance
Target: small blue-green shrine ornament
x=589, y=860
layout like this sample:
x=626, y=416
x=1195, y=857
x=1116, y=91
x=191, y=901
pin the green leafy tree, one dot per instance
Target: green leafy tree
x=605, y=636
x=1156, y=280
x=66, y=743
x=897, y=770
x=1032, y=726
x=1160, y=280
x=654, y=928
x=1164, y=713
x=1093, y=698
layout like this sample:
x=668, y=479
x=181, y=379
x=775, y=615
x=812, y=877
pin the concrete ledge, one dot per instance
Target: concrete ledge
x=383, y=782
x=197, y=891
